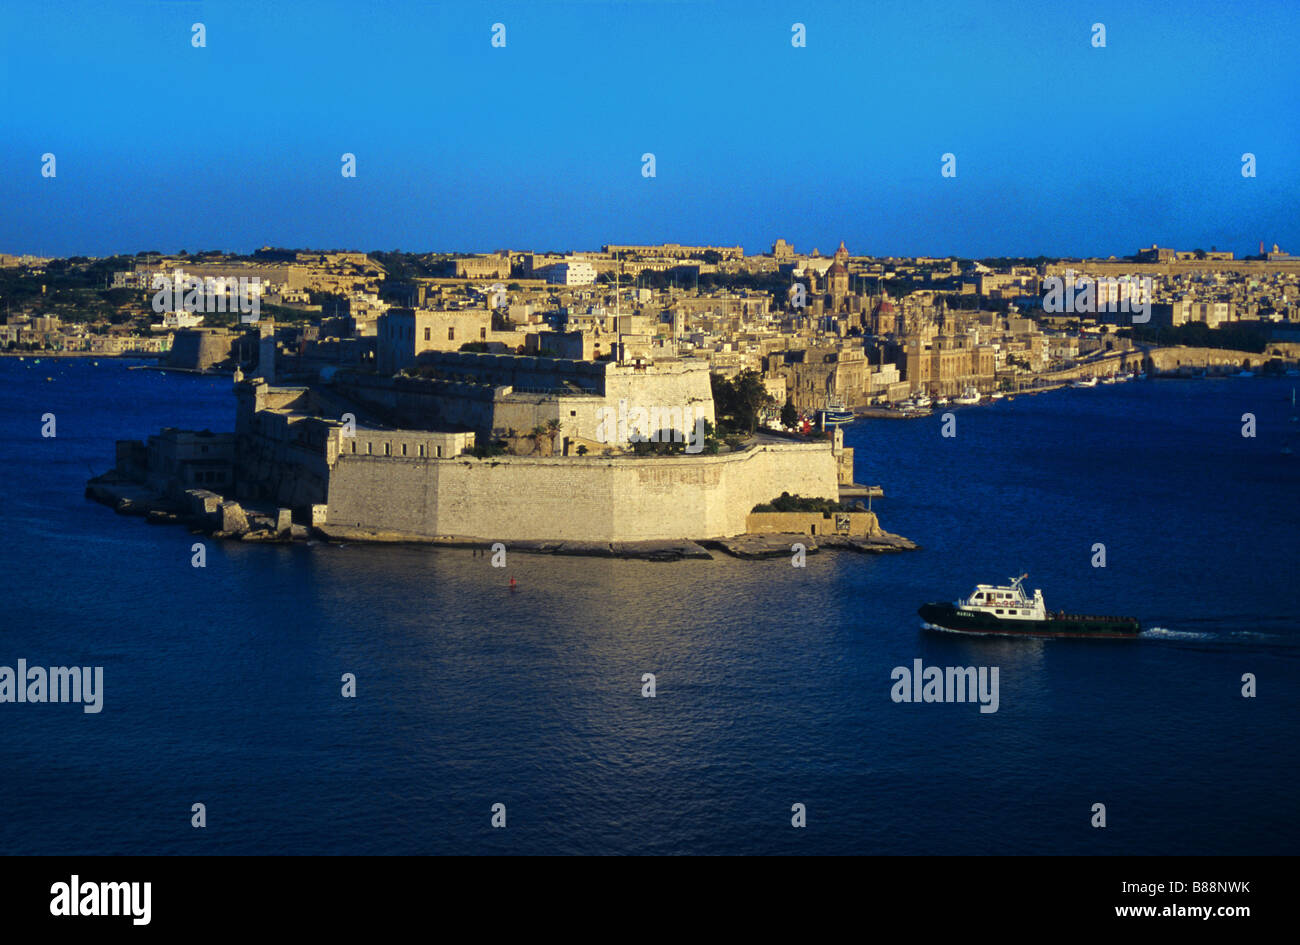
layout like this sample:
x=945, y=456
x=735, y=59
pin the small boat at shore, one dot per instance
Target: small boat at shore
x=1006, y=610
x=835, y=413
x=969, y=396
x=1085, y=382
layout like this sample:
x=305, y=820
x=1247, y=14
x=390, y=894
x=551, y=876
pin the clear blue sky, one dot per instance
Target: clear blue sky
x=1061, y=148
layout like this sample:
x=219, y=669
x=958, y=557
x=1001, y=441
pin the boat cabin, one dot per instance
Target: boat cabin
x=1006, y=602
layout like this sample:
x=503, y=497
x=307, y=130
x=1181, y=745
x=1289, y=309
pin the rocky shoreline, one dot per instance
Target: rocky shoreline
x=202, y=511
x=210, y=514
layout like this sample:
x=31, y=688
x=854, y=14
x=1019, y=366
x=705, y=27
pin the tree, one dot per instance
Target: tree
x=789, y=416
x=739, y=401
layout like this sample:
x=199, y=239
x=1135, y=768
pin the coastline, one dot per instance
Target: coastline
x=231, y=521
x=108, y=355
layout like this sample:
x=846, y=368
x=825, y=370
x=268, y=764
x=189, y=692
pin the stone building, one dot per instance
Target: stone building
x=496, y=266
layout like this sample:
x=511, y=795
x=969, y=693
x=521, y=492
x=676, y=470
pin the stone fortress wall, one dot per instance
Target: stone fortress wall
x=574, y=498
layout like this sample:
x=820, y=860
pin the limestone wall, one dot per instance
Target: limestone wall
x=854, y=524
x=199, y=349
x=676, y=389
x=1168, y=359
x=398, y=443
x=577, y=498
x=419, y=403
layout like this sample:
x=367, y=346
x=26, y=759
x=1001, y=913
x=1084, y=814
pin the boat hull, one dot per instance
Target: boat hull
x=837, y=416
x=957, y=620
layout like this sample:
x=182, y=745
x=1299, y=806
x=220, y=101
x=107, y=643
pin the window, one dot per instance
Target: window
x=354, y=446
x=403, y=449
x=451, y=334
x=388, y=449
x=421, y=451
x=428, y=333
x=998, y=611
x=370, y=447
x=482, y=334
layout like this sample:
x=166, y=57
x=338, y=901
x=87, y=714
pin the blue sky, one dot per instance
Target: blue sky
x=1061, y=148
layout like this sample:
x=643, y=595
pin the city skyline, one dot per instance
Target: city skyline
x=823, y=249
x=1061, y=148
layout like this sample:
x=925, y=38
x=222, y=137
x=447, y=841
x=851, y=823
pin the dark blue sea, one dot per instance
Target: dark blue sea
x=222, y=685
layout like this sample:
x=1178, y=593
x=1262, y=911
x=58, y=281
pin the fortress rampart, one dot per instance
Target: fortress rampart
x=579, y=498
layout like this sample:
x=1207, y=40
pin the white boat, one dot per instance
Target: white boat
x=1006, y=609
x=997, y=395
x=922, y=401
x=969, y=396
x=1085, y=382
x=1110, y=379
x=941, y=402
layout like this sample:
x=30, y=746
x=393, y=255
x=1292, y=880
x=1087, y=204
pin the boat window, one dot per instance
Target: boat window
x=998, y=611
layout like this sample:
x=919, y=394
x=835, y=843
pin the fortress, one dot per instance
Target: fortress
x=407, y=457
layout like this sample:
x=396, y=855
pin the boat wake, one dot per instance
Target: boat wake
x=1243, y=637
x=1163, y=633
x=961, y=633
